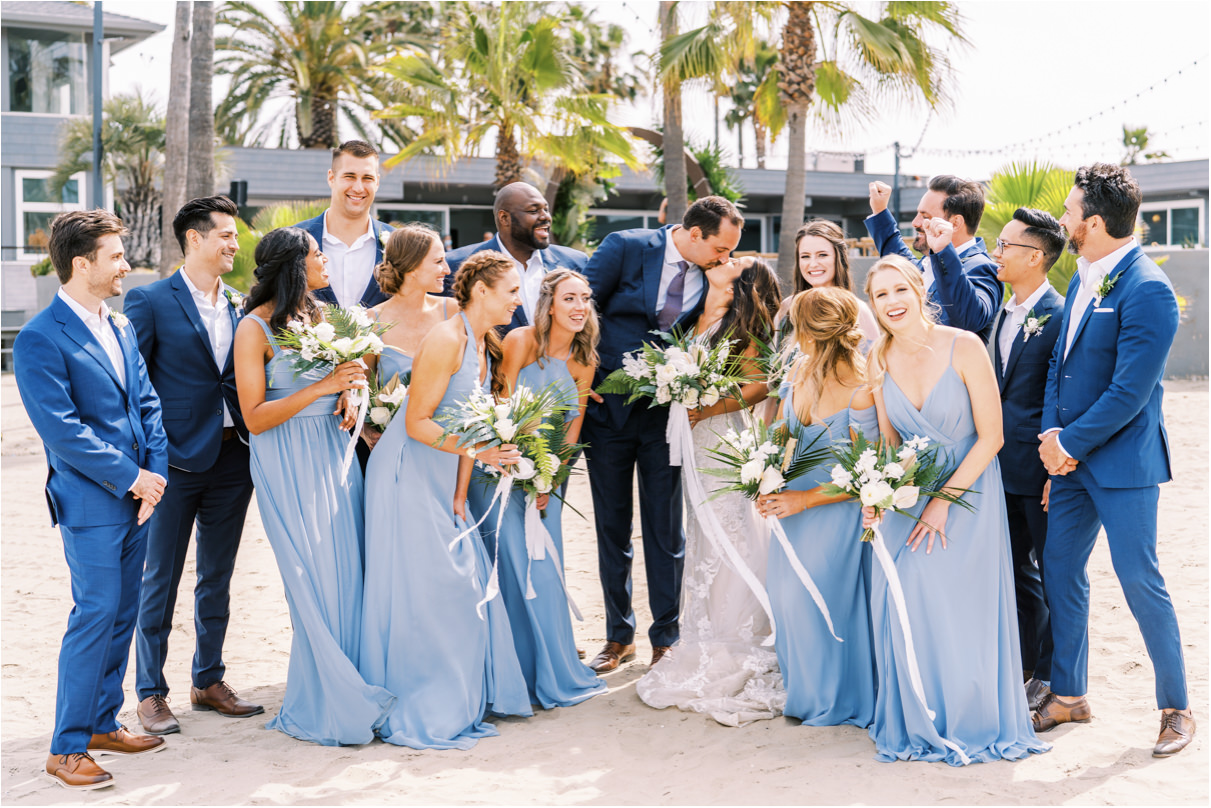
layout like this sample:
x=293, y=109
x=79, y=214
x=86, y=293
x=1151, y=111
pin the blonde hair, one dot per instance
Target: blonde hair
x=825, y=320
x=876, y=361
x=584, y=342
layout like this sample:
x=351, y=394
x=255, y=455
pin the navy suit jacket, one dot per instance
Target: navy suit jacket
x=373, y=295
x=624, y=274
x=965, y=286
x=1023, y=384
x=97, y=433
x=1106, y=395
x=553, y=257
x=181, y=366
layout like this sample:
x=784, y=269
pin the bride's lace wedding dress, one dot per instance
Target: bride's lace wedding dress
x=719, y=666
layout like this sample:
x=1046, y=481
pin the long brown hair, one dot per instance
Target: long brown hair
x=876, y=360
x=584, y=342
x=826, y=326
x=404, y=251
x=487, y=266
x=755, y=301
x=833, y=235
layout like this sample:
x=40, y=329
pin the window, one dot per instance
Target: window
x=36, y=207
x=47, y=72
x=1172, y=224
x=433, y=217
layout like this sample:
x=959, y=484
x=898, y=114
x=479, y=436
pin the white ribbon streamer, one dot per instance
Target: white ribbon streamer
x=500, y=495
x=678, y=433
x=362, y=397
x=539, y=543
x=775, y=526
x=897, y=597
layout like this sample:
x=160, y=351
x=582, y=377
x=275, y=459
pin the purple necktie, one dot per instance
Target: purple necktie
x=672, y=298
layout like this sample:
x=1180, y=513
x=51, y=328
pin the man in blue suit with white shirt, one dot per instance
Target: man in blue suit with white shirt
x=523, y=232
x=961, y=278
x=87, y=393
x=644, y=281
x=1104, y=443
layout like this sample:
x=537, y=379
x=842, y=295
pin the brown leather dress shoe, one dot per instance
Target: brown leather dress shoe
x=223, y=700
x=1036, y=691
x=611, y=656
x=156, y=717
x=124, y=742
x=1177, y=731
x=1053, y=712
x=658, y=653
x=77, y=771
x=580, y=653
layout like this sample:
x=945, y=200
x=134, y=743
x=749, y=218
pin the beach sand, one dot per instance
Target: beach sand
x=612, y=749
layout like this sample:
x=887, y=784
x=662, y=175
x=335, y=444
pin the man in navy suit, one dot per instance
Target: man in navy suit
x=347, y=234
x=644, y=281
x=186, y=325
x=87, y=393
x=960, y=278
x=1022, y=340
x=1104, y=443
x=523, y=232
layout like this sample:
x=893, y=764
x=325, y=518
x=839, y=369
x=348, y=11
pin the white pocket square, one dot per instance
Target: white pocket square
x=1096, y=311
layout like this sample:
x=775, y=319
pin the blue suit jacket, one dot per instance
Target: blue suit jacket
x=181, y=366
x=624, y=274
x=373, y=295
x=965, y=286
x=97, y=433
x=1023, y=384
x=1106, y=395
x=553, y=257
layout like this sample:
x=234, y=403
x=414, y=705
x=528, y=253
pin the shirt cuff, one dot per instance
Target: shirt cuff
x=1057, y=430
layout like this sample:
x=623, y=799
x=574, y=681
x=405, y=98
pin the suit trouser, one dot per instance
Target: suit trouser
x=1027, y=540
x=217, y=500
x=105, y=565
x=1078, y=506
x=613, y=456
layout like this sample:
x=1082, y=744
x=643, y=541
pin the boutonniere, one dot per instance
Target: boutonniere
x=1104, y=287
x=120, y=319
x=234, y=298
x=1033, y=325
x=383, y=235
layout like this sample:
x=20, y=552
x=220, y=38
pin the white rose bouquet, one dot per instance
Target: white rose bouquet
x=688, y=371
x=344, y=335
x=386, y=400
x=763, y=459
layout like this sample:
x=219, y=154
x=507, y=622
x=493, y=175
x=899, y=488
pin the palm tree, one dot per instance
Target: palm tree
x=1135, y=141
x=132, y=141
x=1029, y=185
x=673, y=135
x=176, y=140
x=754, y=96
x=200, y=172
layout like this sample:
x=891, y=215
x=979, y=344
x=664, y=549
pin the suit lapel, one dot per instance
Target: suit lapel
x=234, y=316
x=995, y=347
x=1015, y=352
x=653, y=266
x=130, y=361
x=75, y=328
x=1122, y=266
x=185, y=300
x=372, y=286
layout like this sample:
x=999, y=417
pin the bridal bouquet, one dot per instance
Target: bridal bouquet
x=688, y=371
x=776, y=363
x=385, y=401
x=344, y=335
x=890, y=479
x=763, y=459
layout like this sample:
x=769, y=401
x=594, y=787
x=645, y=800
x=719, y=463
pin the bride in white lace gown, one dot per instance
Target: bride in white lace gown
x=719, y=667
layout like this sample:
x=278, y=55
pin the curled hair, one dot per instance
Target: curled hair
x=487, y=266
x=281, y=277
x=755, y=301
x=876, y=361
x=708, y=213
x=584, y=342
x=826, y=327
x=1112, y=193
x=405, y=250
x=963, y=198
x=833, y=234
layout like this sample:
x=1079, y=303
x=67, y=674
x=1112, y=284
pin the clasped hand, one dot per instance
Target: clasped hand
x=1053, y=457
x=148, y=489
x=932, y=523
x=345, y=377
x=500, y=456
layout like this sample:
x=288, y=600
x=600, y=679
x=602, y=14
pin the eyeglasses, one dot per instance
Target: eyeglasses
x=1002, y=244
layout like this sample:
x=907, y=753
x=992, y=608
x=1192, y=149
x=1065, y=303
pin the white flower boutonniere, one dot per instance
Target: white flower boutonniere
x=120, y=319
x=383, y=235
x=235, y=299
x=1105, y=286
x=1033, y=325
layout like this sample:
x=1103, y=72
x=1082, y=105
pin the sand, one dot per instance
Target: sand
x=612, y=749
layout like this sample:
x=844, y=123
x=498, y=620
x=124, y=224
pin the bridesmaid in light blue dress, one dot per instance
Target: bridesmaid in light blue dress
x=432, y=641
x=937, y=382
x=559, y=349
x=827, y=682
x=311, y=512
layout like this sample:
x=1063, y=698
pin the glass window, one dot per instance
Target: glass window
x=1156, y=226
x=47, y=72
x=397, y=216
x=604, y=224
x=750, y=237
x=1184, y=227
x=37, y=189
x=36, y=207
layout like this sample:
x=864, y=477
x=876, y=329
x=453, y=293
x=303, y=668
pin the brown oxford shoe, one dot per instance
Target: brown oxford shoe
x=611, y=656
x=77, y=771
x=1177, y=731
x=223, y=700
x=580, y=653
x=1036, y=692
x=659, y=652
x=1053, y=712
x=156, y=717
x=124, y=742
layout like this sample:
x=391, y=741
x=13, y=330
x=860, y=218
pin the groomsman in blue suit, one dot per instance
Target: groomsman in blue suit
x=523, y=232
x=1105, y=445
x=348, y=235
x=1022, y=340
x=87, y=393
x=644, y=281
x=186, y=324
x=961, y=278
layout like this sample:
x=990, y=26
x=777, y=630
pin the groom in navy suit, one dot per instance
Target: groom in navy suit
x=644, y=281
x=86, y=390
x=1022, y=340
x=523, y=232
x=1104, y=444
x=186, y=325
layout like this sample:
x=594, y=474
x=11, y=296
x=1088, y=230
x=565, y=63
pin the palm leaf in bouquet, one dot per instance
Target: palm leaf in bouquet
x=763, y=459
x=686, y=370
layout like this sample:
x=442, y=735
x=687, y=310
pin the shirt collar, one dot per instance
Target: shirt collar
x=964, y=247
x=198, y=293
x=535, y=261
x=92, y=319
x=357, y=242
x=1094, y=271
x=671, y=254
x=1011, y=305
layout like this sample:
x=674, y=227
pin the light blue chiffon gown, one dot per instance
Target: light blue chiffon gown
x=827, y=682
x=542, y=626
x=313, y=520
x=961, y=610
x=422, y=638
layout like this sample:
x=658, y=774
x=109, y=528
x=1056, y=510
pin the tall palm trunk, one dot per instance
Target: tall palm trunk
x=321, y=115
x=761, y=134
x=797, y=85
x=675, y=183
x=140, y=205
x=200, y=180
x=176, y=141
x=508, y=158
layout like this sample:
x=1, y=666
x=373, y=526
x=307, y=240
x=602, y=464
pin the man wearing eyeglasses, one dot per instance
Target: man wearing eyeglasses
x=1023, y=337
x=960, y=277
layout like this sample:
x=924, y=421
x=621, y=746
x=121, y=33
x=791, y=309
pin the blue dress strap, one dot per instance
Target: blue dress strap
x=953, y=342
x=265, y=327
x=445, y=308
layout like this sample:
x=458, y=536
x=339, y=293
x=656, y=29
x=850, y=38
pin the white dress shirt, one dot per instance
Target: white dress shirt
x=98, y=322
x=350, y=267
x=927, y=263
x=1092, y=274
x=217, y=322
x=531, y=274
x=694, y=278
x=1015, y=315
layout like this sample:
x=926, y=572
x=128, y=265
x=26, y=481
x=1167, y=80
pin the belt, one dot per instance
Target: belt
x=229, y=433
